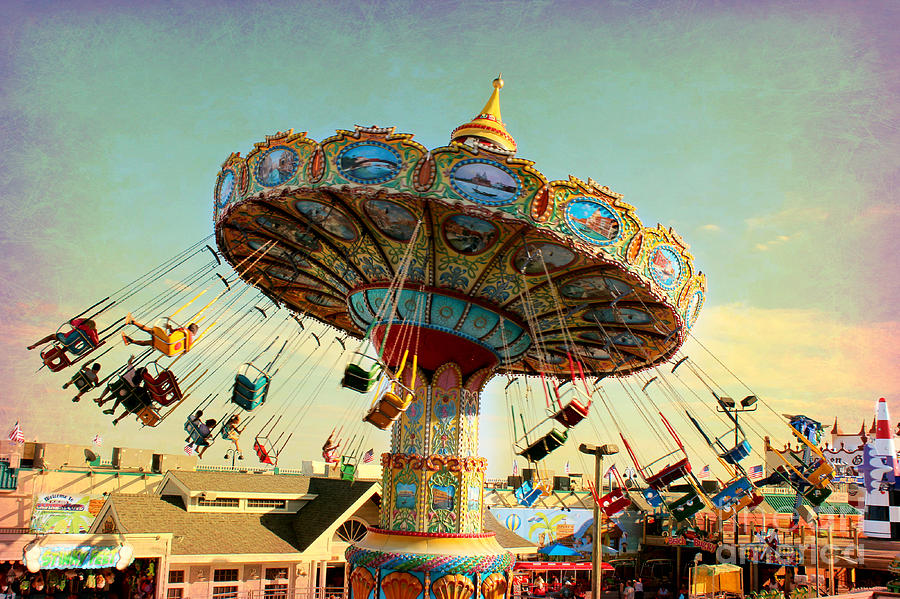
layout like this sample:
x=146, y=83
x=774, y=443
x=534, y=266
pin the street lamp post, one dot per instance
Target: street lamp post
x=598, y=451
x=231, y=452
x=729, y=407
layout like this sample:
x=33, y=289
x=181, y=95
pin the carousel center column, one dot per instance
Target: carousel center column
x=429, y=542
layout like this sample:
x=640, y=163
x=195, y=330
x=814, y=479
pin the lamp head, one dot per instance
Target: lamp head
x=748, y=401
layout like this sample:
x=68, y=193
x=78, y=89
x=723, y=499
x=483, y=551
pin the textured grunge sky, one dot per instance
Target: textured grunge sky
x=765, y=133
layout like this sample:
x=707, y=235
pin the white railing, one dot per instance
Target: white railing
x=321, y=593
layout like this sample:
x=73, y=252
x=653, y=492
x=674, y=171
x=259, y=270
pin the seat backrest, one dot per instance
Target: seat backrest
x=170, y=344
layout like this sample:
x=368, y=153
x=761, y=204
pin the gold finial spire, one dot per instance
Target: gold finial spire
x=488, y=126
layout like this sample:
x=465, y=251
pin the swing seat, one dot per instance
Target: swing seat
x=348, y=471
x=148, y=416
x=736, y=495
x=83, y=383
x=163, y=388
x=527, y=494
x=55, y=358
x=541, y=448
x=171, y=344
x=76, y=342
x=669, y=474
x=819, y=474
x=249, y=394
x=358, y=378
x=737, y=453
x=614, y=502
x=817, y=496
x=686, y=506
x=571, y=414
x=190, y=427
x=263, y=453
x=388, y=410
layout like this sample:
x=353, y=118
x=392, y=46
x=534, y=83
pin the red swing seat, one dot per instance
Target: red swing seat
x=572, y=413
x=669, y=474
x=614, y=502
x=163, y=388
x=263, y=454
x=55, y=358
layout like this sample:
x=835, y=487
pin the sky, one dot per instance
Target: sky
x=765, y=133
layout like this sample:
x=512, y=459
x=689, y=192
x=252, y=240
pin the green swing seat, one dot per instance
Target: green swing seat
x=359, y=379
x=541, y=448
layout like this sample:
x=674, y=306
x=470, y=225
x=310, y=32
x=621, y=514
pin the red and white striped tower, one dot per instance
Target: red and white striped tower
x=882, y=518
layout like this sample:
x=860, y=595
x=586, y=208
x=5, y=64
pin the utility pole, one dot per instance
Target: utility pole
x=597, y=554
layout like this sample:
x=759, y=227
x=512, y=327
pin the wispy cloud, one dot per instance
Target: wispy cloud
x=710, y=227
x=804, y=359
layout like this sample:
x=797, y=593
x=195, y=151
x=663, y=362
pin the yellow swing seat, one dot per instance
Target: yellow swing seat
x=171, y=344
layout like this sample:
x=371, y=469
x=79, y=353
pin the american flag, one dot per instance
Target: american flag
x=368, y=456
x=515, y=468
x=98, y=440
x=704, y=473
x=16, y=435
x=610, y=471
x=756, y=472
x=189, y=449
x=567, y=467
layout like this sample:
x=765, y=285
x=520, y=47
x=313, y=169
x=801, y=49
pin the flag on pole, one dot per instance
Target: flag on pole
x=756, y=472
x=16, y=435
x=98, y=440
x=610, y=471
x=567, y=466
x=189, y=449
x=704, y=473
x=368, y=456
x=515, y=468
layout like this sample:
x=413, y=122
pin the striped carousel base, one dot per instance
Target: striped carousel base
x=412, y=565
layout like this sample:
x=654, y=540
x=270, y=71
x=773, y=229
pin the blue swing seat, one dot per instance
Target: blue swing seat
x=736, y=453
x=527, y=494
x=76, y=342
x=250, y=394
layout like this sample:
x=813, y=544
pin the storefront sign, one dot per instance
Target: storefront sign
x=784, y=555
x=89, y=557
x=703, y=545
x=61, y=513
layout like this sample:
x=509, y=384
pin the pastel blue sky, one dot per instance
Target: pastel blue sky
x=765, y=133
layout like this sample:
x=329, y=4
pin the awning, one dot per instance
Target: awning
x=784, y=504
x=557, y=566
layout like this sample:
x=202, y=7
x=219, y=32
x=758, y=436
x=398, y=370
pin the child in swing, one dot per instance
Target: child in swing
x=233, y=433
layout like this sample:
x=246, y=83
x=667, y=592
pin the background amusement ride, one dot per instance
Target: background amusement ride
x=428, y=272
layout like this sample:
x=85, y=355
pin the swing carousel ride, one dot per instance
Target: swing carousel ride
x=453, y=265
x=437, y=269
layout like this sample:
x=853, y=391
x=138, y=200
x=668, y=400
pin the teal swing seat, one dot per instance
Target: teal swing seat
x=250, y=393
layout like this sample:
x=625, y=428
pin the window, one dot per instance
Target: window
x=220, y=502
x=274, y=504
x=275, y=591
x=275, y=573
x=174, y=593
x=176, y=576
x=230, y=575
x=351, y=531
x=224, y=592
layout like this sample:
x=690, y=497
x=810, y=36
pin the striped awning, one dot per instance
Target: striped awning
x=784, y=504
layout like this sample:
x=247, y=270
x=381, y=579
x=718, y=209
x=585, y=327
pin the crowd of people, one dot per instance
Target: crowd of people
x=135, y=582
